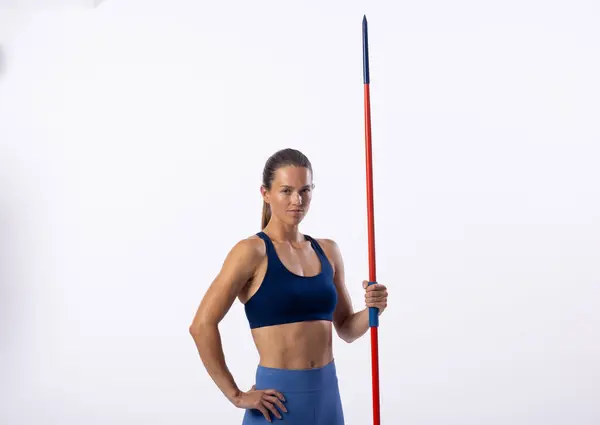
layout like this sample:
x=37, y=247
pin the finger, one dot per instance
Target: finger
x=367, y=286
x=271, y=407
x=276, y=393
x=377, y=287
x=278, y=402
x=372, y=299
x=264, y=412
x=377, y=293
x=377, y=304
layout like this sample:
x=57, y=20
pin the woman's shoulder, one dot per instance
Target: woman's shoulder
x=327, y=243
x=250, y=247
x=331, y=248
x=245, y=254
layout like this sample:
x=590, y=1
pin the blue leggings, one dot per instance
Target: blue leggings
x=312, y=396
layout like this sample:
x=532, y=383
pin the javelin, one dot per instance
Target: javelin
x=373, y=312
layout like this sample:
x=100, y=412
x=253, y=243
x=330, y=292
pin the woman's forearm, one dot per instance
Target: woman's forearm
x=210, y=349
x=355, y=326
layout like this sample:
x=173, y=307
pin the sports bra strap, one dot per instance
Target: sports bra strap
x=315, y=245
x=268, y=243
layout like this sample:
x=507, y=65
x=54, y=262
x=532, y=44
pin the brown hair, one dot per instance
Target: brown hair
x=281, y=158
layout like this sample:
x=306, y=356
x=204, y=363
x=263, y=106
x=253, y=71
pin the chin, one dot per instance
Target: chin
x=296, y=220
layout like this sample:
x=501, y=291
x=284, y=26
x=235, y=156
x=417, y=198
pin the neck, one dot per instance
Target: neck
x=283, y=232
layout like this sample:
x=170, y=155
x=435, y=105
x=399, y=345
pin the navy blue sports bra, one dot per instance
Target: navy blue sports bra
x=285, y=297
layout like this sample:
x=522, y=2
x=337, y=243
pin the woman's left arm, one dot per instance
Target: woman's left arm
x=348, y=324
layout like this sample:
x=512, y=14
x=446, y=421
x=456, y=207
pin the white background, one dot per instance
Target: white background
x=132, y=141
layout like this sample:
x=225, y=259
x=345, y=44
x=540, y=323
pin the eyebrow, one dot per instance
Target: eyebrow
x=290, y=187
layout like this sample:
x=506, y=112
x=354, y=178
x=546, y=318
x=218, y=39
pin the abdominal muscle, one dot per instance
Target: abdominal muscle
x=302, y=345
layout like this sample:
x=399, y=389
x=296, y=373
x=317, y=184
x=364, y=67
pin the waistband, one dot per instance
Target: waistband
x=296, y=379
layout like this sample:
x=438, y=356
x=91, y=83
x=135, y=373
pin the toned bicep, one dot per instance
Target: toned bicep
x=344, y=307
x=237, y=269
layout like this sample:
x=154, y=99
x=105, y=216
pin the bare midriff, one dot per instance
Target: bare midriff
x=302, y=345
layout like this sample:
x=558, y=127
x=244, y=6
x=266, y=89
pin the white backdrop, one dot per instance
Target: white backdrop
x=132, y=141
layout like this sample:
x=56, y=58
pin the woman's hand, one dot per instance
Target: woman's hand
x=263, y=400
x=375, y=295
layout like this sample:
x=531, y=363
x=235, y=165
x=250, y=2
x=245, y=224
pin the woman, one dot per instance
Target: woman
x=293, y=290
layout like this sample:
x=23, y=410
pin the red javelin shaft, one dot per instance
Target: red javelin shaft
x=373, y=312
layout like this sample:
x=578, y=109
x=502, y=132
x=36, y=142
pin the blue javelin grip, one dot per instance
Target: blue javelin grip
x=373, y=312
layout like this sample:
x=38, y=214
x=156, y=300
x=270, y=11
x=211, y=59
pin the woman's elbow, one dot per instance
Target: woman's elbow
x=347, y=338
x=199, y=327
x=194, y=329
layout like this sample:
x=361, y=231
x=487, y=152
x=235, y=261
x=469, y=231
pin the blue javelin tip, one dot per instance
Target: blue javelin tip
x=365, y=38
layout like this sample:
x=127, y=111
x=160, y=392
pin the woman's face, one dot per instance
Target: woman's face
x=290, y=194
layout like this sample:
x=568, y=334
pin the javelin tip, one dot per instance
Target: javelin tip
x=365, y=40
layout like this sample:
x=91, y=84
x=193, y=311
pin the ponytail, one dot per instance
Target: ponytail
x=266, y=215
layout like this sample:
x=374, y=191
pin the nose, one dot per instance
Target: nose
x=296, y=199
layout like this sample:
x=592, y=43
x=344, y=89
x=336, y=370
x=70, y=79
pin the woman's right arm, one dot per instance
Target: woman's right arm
x=238, y=267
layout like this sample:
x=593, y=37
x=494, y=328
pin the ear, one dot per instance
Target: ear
x=264, y=193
